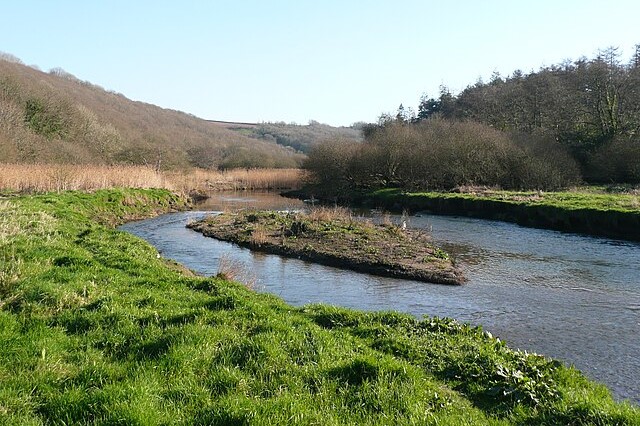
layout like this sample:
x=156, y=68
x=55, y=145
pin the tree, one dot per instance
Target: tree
x=428, y=107
x=405, y=115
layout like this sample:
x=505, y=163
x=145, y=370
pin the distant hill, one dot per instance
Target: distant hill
x=56, y=118
x=297, y=136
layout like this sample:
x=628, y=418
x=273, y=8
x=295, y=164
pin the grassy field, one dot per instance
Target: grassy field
x=97, y=328
x=592, y=211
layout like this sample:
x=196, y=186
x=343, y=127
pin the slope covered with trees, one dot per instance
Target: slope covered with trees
x=589, y=106
x=56, y=118
x=300, y=137
x=557, y=127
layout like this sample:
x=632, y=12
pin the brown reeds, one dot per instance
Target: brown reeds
x=237, y=179
x=328, y=214
x=234, y=270
x=45, y=177
x=28, y=178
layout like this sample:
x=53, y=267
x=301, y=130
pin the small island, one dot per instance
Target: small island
x=334, y=237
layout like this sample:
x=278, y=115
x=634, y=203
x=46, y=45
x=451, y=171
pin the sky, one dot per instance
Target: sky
x=333, y=61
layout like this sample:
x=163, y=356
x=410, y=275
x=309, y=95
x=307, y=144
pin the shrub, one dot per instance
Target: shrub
x=442, y=154
x=616, y=162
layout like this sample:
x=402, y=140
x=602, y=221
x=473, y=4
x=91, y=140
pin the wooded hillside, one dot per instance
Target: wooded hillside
x=56, y=118
x=564, y=125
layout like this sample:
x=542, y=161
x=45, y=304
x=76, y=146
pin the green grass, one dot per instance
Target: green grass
x=587, y=198
x=588, y=210
x=95, y=328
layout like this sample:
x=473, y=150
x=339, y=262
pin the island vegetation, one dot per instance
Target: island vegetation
x=334, y=237
x=97, y=328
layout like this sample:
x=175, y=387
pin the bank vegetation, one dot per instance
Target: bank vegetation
x=97, y=328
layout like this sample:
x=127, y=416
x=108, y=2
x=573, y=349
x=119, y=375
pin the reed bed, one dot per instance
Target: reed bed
x=29, y=178
x=237, y=179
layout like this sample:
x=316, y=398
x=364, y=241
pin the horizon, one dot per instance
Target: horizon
x=297, y=62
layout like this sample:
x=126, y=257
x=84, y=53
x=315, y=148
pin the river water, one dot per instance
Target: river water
x=571, y=297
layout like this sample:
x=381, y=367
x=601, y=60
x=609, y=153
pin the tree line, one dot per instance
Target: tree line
x=575, y=122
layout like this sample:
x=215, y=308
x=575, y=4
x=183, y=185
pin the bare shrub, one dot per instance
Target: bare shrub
x=443, y=154
x=329, y=163
x=616, y=162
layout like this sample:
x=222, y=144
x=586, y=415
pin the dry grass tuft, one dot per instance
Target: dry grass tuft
x=233, y=270
x=327, y=214
x=385, y=219
x=259, y=235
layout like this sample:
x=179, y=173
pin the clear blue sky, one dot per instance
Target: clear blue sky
x=333, y=61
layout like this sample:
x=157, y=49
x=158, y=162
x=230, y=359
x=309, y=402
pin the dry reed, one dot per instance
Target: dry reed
x=327, y=214
x=28, y=178
x=237, y=179
x=45, y=177
x=234, y=270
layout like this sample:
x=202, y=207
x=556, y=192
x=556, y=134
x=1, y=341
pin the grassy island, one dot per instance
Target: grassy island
x=97, y=329
x=333, y=237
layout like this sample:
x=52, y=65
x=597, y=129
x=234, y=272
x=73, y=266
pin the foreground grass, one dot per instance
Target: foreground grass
x=590, y=210
x=96, y=328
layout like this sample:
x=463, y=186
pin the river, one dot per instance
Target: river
x=571, y=297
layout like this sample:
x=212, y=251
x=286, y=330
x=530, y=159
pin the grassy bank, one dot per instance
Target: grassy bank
x=591, y=212
x=334, y=237
x=96, y=328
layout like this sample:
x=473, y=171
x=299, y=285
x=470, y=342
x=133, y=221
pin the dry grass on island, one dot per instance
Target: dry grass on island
x=334, y=237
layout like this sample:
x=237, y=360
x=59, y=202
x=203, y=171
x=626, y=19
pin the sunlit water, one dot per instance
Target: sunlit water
x=571, y=297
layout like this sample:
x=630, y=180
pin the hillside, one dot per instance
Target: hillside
x=300, y=137
x=56, y=118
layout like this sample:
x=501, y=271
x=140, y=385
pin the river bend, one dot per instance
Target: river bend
x=571, y=297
